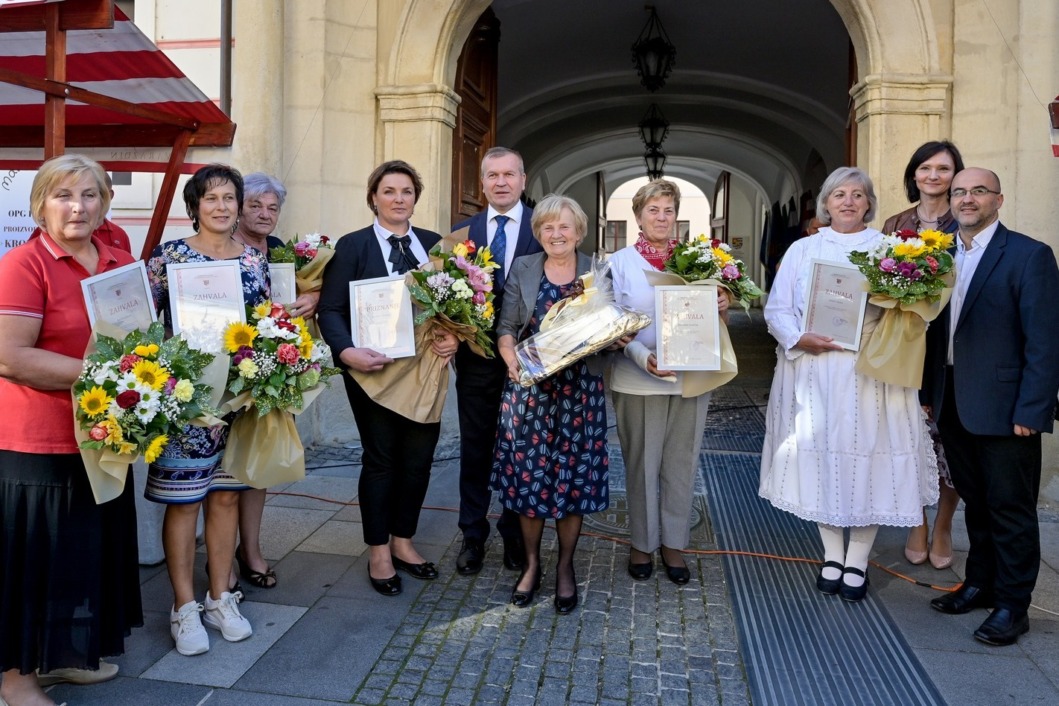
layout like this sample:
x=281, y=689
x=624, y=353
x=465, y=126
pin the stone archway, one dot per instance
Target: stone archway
x=902, y=96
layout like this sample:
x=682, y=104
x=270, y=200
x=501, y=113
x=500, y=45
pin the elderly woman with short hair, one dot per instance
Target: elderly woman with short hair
x=551, y=447
x=660, y=429
x=841, y=449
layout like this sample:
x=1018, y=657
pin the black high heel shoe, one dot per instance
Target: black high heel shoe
x=261, y=579
x=425, y=571
x=524, y=598
x=564, y=604
x=387, y=587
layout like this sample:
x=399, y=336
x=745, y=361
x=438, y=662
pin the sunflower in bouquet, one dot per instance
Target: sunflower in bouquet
x=708, y=258
x=459, y=293
x=274, y=358
x=908, y=266
x=134, y=393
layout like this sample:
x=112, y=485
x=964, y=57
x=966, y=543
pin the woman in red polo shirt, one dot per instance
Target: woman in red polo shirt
x=57, y=547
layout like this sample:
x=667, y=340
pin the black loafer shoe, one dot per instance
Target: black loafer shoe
x=514, y=554
x=641, y=572
x=471, y=556
x=565, y=604
x=853, y=594
x=425, y=571
x=524, y=598
x=829, y=586
x=679, y=575
x=963, y=600
x=1003, y=627
x=387, y=587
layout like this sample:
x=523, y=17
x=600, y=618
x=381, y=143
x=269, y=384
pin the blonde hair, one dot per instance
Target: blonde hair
x=655, y=189
x=551, y=208
x=57, y=169
x=841, y=177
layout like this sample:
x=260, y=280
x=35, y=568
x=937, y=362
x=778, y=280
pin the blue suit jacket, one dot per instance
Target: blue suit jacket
x=526, y=244
x=1005, y=349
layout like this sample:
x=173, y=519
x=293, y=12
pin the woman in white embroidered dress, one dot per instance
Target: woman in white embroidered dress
x=841, y=449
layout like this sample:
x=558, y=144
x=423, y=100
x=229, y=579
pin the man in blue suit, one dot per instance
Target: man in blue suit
x=505, y=227
x=990, y=380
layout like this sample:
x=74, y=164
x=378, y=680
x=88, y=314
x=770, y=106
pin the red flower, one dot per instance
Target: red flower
x=98, y=433
x=471, y=247
x=278, y=312
x=127, y=399
x=324, y=240
x=906, y=234
x=287, y=354
x=933, y=264
x=287, y=326
x=128, y=361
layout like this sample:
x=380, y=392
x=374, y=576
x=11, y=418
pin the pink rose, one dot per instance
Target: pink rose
x=730, y=271
x=932, y=263
x=98, y=433
x=170, y=385
x=287, y=354
x=278, y=312
x=301, y=248
x=888, y=264
x=127, y=399
x=128, y=362
x=478, y=298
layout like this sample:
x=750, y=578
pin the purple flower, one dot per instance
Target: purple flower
x=478, y=298
x=909, y=270
x=888, y=264
x=730, y=271
x=242, y=354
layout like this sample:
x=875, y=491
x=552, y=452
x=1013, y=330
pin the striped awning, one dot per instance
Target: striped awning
x=119, y=63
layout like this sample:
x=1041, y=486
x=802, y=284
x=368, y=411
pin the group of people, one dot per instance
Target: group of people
x=842, y=450
x=849, y=452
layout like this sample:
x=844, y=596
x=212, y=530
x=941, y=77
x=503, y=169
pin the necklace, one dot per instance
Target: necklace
x=925, y=220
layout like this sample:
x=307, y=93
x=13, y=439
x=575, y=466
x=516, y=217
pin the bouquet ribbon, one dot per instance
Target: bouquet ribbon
x=264, y=451
x=699, y=382
x=893, y=348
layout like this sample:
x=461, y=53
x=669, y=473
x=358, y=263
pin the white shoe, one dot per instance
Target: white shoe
x=71, y=675
x=187, y=630
x=224, y=615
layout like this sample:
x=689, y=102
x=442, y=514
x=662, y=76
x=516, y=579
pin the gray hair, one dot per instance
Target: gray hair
x=258, y=184
x=494, y=152
x=550, y=208
x=841, y=177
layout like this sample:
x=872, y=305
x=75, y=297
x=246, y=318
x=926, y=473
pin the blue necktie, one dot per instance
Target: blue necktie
x=499, y=249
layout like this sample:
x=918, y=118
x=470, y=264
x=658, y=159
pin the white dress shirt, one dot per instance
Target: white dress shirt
x=383, y=235
x=511, y=230
x=967, y=260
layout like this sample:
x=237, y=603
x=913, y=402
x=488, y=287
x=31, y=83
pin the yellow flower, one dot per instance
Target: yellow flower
x=459, y=250
x=305, y=348
x=184, y=390
x=114, y=435
x=485, y=256
x=487, y=312
x=146, y=351
x=126, y=448
x=910, y=249
x=238, y=335
x=247, y=368
x=155, y=447
x=95, y=401
x=151, y=374
x=936, y=240
x=721, y=257
x=299, y=321
x=263, y=309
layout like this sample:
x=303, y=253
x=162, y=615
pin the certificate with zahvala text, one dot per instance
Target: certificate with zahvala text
x=688, y=325
x=380, y=311
x=284, y=289
x=120, y=297
x=835, y=302
x=204, y=298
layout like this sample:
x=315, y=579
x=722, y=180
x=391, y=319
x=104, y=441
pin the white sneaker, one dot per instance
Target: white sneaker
x=187, y=630
x=224, y=615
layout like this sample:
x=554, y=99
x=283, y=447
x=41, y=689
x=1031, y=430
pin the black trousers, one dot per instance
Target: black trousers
x=999, y=478
x=395, y=472
x=479, y=384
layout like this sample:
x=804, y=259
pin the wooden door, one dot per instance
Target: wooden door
x=476, y=115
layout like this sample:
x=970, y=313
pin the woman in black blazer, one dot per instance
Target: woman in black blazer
x=398, y=452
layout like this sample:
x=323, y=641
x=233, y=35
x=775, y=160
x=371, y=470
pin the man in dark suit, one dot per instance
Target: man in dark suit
x=990, y=381
x=505, y=227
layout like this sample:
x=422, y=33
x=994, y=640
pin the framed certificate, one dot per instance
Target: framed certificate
x=284, y=290
x=688, y=326
x=380, y=311
x=835, y=302
x=120, y=297
x=204, y=297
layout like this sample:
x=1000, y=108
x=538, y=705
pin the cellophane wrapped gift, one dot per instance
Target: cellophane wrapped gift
x=577, y=326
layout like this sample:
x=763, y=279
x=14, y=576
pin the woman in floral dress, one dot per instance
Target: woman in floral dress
x=188, y=472
x=551, y=448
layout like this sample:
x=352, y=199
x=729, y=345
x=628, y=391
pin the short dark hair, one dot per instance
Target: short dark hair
x=925, y=152
x=205, y=179
x=394, y=166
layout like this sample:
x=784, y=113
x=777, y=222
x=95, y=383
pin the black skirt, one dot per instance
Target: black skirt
x=69, y=574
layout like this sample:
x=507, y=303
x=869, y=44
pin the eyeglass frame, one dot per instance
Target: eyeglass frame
x=982, y=191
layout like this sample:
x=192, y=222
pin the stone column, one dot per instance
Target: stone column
x=416, y=124
x=257, y=86
x=896, y=113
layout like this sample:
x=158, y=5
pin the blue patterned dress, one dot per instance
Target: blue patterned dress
x=189, y=466
x=551, y=449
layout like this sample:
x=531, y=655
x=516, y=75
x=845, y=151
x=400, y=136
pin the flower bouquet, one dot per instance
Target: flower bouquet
x=702, y=259
x=452, y=292
x=910, y=275
x=133, y=394
x=310, y=256
x=278, y=368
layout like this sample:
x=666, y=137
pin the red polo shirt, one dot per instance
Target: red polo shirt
x=41, y=280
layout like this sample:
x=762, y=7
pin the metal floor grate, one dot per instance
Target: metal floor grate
x=801, y=647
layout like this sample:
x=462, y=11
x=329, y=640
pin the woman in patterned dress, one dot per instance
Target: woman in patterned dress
x=551, y=449
x=188, y=472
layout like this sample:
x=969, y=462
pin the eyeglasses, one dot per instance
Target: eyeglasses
x=977, y=192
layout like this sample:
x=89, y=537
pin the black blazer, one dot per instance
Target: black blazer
x=357, y=256
x=1005, y=358
x=526, y=244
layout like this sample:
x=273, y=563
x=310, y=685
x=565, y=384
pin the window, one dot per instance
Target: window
x=614, y=238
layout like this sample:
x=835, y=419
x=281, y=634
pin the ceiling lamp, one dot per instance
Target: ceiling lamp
x=655, y=161
x=653, y=53
x=653, y=127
